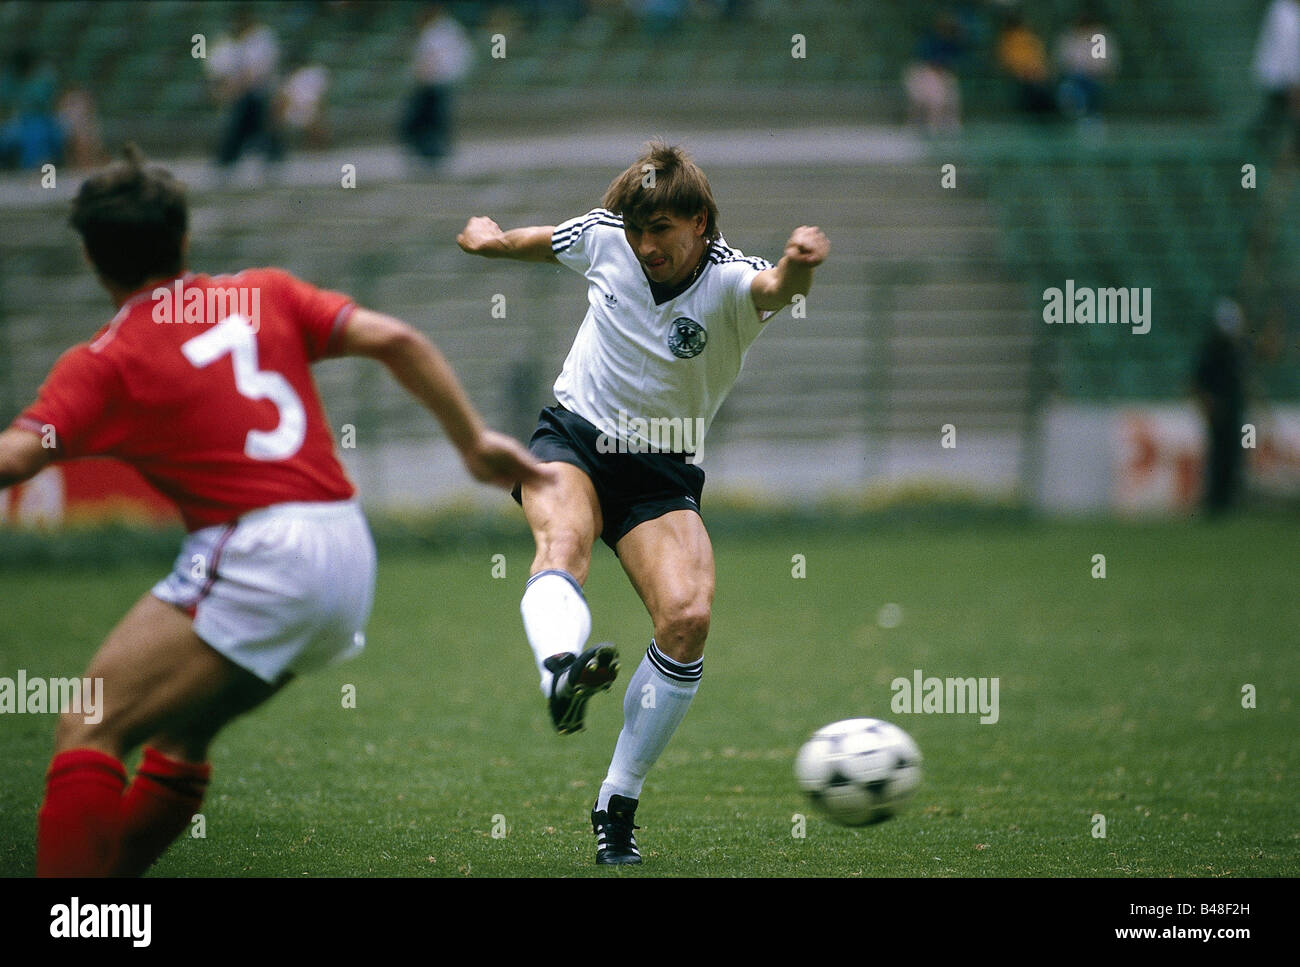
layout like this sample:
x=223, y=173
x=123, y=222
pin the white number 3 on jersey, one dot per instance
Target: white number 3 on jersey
x=235, y=336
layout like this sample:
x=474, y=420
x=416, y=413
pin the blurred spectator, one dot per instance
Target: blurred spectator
x=1088, y=58
x=731, y=9
x=930, y=80
x=301, y=105
x=30, y=135
x=79, y=118
x=534, y=12
x=1218, y=383
x=244, y=70
x=1022, y=56
x=661, y=18
x=975, y=20
x=1277, y=70
x=443, y=57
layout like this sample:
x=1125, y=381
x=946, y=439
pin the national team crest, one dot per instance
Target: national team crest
x=687, y=338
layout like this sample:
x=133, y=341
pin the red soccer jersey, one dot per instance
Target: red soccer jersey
x=204, y=386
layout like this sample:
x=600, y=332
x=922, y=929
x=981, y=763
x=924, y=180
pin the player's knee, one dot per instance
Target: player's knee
x=185, y=747
x=73, y=731
x=683, y=631
x=67, y=732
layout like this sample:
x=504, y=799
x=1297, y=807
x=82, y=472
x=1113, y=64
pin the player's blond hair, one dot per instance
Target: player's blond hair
x=664, y=178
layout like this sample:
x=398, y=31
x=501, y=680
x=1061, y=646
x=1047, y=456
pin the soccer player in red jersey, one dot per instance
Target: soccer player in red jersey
x=203, y=384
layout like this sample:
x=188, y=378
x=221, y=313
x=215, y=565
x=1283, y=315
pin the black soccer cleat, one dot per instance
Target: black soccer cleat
x=577, y=678
x=615, y=840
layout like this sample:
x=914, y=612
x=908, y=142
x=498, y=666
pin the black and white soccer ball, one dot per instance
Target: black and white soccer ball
x=859, y=771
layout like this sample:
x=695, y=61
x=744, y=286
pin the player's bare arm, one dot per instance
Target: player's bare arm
x=775, y=288
x=424, y=372
x=22, y=456
x=482, y=236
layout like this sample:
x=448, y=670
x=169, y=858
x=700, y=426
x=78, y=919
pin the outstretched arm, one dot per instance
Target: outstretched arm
x=22, y=456
x=482, y=236
x=415, y=362
x=774, y=288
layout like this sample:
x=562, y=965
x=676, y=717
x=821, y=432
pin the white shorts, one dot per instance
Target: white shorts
x=284, y=589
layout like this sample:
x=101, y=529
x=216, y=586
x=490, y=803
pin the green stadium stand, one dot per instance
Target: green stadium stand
x=933, y=302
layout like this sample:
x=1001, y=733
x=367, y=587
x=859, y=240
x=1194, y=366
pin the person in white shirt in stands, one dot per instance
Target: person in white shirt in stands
x=1088, y=56
x=443, y=57
x=244, y=72
x=1277, y=71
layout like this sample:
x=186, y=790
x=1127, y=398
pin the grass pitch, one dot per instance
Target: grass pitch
x=1120, y=697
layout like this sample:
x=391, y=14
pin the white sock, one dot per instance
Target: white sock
x=556, y=618
x=657, y=698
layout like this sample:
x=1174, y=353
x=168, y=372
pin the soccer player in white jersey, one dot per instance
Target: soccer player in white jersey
x=671, y=311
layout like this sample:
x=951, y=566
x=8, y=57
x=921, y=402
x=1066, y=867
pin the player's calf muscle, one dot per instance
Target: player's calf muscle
x=564, y=517
x=563, y=530
x=564, y=551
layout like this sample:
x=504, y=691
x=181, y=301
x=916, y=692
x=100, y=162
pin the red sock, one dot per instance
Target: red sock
x=164, y=796
x=79, y=821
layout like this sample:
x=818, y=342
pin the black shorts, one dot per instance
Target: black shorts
x=632, y=487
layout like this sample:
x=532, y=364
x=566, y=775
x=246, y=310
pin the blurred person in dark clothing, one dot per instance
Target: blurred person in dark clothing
x=30, y=135
x=1218, y=382
x=443, y=56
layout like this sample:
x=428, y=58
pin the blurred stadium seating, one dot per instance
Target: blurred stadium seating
x=929, y=311
x=858, y=51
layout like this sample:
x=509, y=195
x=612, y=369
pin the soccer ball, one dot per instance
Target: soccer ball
x=859, y=771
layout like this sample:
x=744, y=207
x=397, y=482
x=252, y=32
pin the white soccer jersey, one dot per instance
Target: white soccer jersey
x=644, y=371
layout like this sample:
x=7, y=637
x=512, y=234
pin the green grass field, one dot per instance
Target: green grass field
x=1119, y=696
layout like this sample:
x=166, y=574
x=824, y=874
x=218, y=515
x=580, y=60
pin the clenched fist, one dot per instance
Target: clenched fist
x=808, y=245
x=479, y=233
